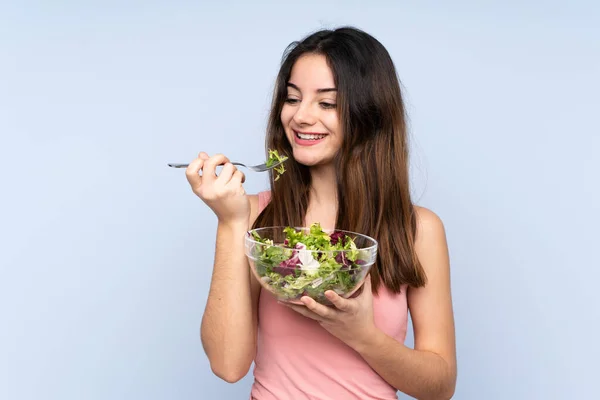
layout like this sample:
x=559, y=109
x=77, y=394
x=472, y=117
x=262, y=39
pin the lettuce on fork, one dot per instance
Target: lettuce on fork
x=274, y=158
x=309, y=263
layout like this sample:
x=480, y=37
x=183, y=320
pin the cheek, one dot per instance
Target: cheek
x=334, y=126
x=286, y=116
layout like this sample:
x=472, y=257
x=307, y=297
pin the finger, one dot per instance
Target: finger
x=317, y=308
x=203, y=155
x=367, y=288
x=210, y=166
x=226, y=173
x=303, y=311
x=339, y=302
x=238, y=178
x=192, y=172
x=364, y=291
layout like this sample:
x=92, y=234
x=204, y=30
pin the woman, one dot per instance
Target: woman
x=339, y=115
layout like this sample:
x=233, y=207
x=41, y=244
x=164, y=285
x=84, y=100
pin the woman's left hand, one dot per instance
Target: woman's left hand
x=350, y=320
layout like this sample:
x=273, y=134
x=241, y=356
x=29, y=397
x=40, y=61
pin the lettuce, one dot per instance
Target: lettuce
x=274, y=158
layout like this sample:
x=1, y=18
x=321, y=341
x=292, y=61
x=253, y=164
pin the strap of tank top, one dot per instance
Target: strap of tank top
x=263, y=200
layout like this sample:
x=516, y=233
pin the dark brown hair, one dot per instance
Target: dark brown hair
x=373, y=176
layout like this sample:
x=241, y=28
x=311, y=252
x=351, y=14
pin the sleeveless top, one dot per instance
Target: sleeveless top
x=297, y=359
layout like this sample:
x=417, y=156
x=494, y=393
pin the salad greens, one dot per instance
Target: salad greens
x=275, y=158
x=310, y=263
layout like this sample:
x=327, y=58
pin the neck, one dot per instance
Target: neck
x=323, y=191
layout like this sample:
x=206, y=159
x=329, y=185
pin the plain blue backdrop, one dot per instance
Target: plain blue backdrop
x=106, y=254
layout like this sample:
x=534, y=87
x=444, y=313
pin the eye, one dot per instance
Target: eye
x=328, y=106
x=290, y=100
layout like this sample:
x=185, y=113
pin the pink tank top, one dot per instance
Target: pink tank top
x=297, y=359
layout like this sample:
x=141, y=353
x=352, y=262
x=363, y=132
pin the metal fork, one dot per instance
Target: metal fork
x=256, y=168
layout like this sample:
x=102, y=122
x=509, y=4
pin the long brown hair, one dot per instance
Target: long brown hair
x=373, y=176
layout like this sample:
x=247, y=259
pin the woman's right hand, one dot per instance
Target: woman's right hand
x=224, y=194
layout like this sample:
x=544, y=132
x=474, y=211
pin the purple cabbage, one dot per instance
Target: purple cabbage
x=336, y=236
x=341, y=258
x=289, y=266
x=353, y=267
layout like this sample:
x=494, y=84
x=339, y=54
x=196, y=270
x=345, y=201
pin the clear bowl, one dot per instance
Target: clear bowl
x=292, y=272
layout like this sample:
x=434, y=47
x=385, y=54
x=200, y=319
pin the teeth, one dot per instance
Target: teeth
x=310, y=137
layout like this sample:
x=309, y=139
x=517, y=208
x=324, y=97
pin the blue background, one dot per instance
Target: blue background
x=106, y=254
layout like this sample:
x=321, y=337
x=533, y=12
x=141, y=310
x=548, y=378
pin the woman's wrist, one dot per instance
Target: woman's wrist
x=371, y=338
x=234, y=225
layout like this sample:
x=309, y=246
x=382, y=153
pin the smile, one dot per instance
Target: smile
x=308, y=138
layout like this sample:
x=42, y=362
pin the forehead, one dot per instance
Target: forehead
x=311, y=72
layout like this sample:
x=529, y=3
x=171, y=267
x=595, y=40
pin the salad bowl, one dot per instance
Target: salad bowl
x=308, y=261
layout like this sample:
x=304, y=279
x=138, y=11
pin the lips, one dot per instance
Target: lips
x=309, y=138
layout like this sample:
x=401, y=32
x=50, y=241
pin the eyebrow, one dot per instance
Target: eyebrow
x=290, y=84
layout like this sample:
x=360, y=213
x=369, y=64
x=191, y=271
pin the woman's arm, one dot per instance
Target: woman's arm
x=429, y=371
x=229, y=324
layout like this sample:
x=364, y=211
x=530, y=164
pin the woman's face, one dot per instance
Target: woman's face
x=309, y=115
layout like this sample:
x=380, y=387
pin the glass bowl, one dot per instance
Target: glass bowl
x=308, y=261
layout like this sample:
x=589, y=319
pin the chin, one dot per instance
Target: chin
x=311, y=160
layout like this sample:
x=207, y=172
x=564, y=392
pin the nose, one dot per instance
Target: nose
x=304, y=115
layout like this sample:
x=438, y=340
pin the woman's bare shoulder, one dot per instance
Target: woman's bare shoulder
x=429, y=224
x=431, y=244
